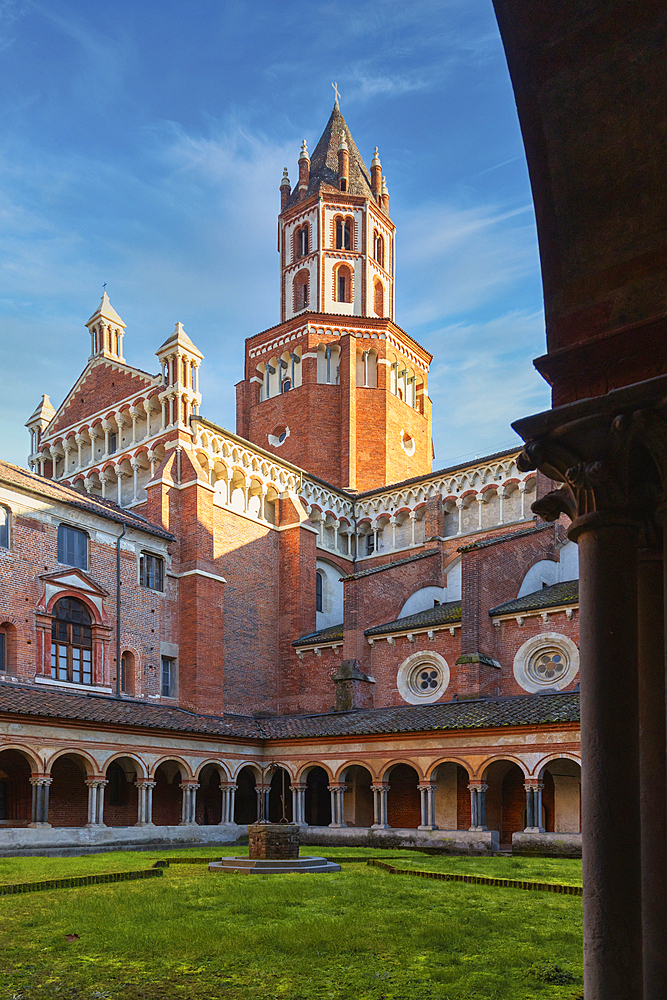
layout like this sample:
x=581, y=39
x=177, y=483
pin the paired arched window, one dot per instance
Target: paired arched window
x=343, y=284
x=71, y=642
x=378, y=298
x=344, y=234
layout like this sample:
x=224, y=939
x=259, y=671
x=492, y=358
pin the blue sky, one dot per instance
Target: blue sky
x=142, y=145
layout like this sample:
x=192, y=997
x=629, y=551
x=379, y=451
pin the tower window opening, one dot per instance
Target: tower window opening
x=378, y=303
x=302, y=242
x=286, y=386
x=344, y=234
x=318, y=592
x=343, y=285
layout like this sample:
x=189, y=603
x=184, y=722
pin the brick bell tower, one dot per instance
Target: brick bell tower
x=337, y=387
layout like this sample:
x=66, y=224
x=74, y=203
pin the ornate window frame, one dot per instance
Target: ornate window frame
x=408, y=677
x=542, y=644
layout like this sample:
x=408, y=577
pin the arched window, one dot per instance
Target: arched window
x=378, y=298
x=343, y=284
x=344, y=234
x=4, y=527
x=127, y=673
x=71, y=642
x=301, y=290
x=378, y=248
x=318, y=591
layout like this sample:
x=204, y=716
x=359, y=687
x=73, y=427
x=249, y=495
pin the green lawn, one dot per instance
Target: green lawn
x=361, y=933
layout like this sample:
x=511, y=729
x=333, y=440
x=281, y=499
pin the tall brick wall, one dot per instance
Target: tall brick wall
x=403, y=797
x=68, y=795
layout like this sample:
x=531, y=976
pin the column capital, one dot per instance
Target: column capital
x=144, y=784
x=189, y=784
x=380, y=788
x=477, y=786
x=298, y=786
x=427, y=786
x=337, y=786
x=96, y=782
x=533, y=783
x=40, y=779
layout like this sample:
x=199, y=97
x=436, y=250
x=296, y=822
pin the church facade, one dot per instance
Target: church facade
x=300, y=612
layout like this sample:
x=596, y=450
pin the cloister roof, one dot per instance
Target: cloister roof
x=488, y=713
x=556, y=596
x=13, y=475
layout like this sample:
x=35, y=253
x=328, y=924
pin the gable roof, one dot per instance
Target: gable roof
x=334, y=633
x=103, y=382
x=556, y=596
x=12, y=475
x=324, y=164
x=441, y=614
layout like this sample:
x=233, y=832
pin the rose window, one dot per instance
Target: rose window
x=548, y=666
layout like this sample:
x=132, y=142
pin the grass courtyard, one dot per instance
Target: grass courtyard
x=360, y=933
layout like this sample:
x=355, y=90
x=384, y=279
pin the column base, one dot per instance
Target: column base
x=478, y=829
x=337, y=826
x=39, y=826
x=426, y=827
x=534, y=829
x=96, y=826
x=142, y=823
x=380, y=826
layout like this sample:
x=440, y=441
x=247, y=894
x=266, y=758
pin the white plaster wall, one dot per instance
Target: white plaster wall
x=446, y=797
x=546, y=573
x=332, y=595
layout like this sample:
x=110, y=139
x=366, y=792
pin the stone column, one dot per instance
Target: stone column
x=459, y=507
x=136, y=465
x=96, y=788
x=427, y=793
x=145, y=803
x=533, y=806
x=119, y=481
x=477, y=791
x=337, y=805
x=40, y=799
x=610, y=754
x=299, y=803
x=652, y=769
x=188, y=802
x=380, y=807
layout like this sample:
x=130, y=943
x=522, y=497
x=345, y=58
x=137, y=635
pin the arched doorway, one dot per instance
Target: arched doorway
x=167, y=794
x=15, y=789
x=121, y=799
x=318, y=798
x=452, y=797
x=561, y=795
x=505, y=799
x=245, y=803
x=209, y=796
x=280, y=796
x=358, y=798
x=403, y=798
x=68, y=794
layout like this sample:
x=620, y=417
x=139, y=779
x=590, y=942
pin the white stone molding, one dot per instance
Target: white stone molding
x=423, y=678
x=548, y=661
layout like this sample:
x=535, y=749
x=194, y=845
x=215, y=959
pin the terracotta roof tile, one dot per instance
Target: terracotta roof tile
x=491, y=713
x=324, y=635
x=441, y=614
x=13, y=475
x=557, y=595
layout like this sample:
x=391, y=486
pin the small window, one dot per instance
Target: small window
x=3, y=652
x=4, y=528
x=72, y=547
x=370, y=544
x=151, y=571
x=302, y=242
x=168, y=685
x=285, y=387
x=113, y=443
x=127, y=673
x=343, y=285
x=71, y=642
x=318, y=591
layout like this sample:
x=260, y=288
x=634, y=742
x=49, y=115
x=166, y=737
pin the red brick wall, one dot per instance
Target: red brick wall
x=17, y=790
x=510, y=636
x=166, y=800
x=104, y=386
x=403, y=798
x=68, y=795
x=463, y=819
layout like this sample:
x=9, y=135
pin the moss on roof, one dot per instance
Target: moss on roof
x=441, y=614
x=557, y=595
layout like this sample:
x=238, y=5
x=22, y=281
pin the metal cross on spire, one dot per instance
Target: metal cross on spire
x=335, y=87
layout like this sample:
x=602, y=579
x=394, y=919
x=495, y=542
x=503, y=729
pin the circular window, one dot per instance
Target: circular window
x=278, y=436
x=549, y=660
x=407, y=443
x=422, y=678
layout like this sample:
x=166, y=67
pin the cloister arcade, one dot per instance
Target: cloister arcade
x=503, y=794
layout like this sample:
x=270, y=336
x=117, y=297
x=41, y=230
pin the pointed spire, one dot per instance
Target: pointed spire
x=43, y=414
x=385, y=195
x=376, y=176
